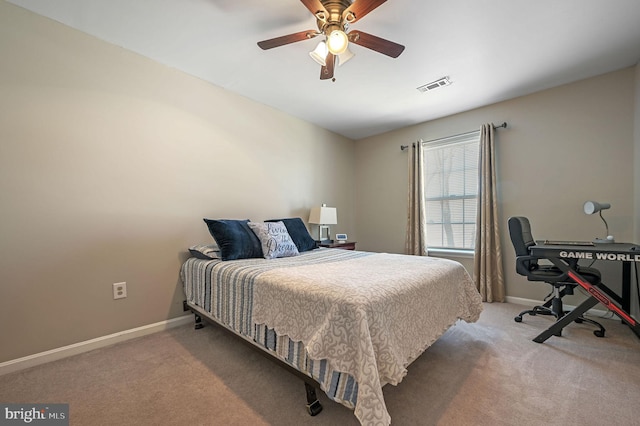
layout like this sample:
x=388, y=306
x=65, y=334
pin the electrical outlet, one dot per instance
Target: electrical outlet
x=119, y=290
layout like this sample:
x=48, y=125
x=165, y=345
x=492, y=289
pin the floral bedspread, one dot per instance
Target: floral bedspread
x=368, y=316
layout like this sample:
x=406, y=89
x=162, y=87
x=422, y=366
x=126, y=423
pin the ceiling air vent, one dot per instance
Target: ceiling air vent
x=444, y=81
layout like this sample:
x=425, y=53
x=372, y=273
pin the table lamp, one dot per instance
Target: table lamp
x=323, y=216
x=591, y=207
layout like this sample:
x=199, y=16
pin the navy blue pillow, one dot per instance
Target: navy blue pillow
x=235, y=239
x=298, y=233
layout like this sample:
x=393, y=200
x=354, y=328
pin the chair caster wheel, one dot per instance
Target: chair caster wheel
x=518, y=319
x=578, y=321
x=598, y=333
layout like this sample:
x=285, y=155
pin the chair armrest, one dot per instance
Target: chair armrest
x=540, y=272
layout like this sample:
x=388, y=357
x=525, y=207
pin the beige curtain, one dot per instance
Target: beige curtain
x=488, y=252
x=416, y=240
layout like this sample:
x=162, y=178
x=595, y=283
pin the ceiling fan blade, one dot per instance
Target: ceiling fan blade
x=291, y=38
x=360, y=8
x=314, y=6
x=378, y=44
x=327, y=71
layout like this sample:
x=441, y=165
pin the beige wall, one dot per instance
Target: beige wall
x=109, y=162
x=563, y=146
x=636, y=168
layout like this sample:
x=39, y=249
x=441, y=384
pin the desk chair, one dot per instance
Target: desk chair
x=528, y=266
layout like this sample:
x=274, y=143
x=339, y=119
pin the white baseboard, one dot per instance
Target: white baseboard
x=88, y=345
x=100, y=342
x=531, y=303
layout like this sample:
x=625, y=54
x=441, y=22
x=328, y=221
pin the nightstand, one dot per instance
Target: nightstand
x=347, y=245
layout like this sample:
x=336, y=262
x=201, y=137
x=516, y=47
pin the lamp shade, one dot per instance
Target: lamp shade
x=319, y=54
x=591, y=207
x=337, y=42
x=345, y=56
x=324, y=215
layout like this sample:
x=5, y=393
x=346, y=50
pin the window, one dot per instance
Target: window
x=451, y=191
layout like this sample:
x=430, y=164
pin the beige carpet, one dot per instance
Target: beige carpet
x=488, y=373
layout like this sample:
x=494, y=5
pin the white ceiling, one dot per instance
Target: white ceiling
x=492, y=50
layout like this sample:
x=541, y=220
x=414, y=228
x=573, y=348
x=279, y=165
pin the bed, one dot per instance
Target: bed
x=350, y=321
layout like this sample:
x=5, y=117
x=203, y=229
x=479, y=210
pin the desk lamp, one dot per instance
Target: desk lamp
x=591, y=207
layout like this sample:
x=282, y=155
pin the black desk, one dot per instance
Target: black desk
x=561, y=256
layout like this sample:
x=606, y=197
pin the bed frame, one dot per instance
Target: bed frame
x=313, y=405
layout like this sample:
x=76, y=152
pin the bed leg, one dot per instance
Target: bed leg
x=199, y=323
x=313, y=405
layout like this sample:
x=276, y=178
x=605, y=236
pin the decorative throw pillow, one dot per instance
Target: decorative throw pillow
x=205, y=251
x=275, y=239
x=235, y=238
x=298, y=233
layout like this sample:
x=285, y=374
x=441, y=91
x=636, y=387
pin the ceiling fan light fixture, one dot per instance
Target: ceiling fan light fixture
x=333, y=21
x=337, y=42
x=345, y=56
x=319, y=54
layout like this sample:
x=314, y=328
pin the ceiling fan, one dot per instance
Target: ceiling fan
x=333, y=19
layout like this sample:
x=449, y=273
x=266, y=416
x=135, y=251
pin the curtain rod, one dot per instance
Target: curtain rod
x=503, y=126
